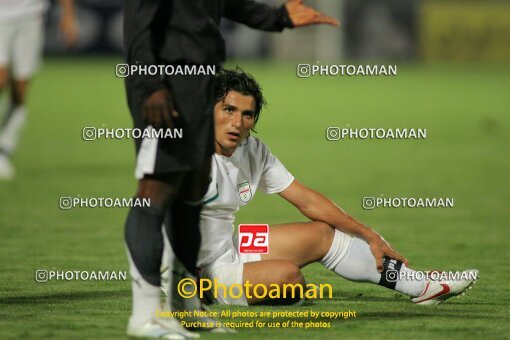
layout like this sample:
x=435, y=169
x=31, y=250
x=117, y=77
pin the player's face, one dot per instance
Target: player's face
x=233, y=118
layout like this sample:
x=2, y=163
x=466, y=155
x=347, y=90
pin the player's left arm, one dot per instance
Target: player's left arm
x=68, y=22
x=317, y=207
x=264, y=17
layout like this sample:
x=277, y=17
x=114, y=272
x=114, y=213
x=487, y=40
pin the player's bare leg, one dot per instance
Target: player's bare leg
x=301, y=243
x=13, y=122
x=351, y=258
x=292, y=246
x=268, y=272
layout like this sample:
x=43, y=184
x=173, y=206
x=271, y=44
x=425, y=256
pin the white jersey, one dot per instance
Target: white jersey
x=13, y=9
x=234, y=181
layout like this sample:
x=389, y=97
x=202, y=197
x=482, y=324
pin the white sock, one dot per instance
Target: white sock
x=352, y=259
x=146, y=298
x=11, y=131
x=339, y=248
x=413, y=288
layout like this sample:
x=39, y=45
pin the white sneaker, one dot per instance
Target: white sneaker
x=437, y=292
x=168, y=328
x=6, y=168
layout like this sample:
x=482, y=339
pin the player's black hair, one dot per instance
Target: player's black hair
x=242, y=82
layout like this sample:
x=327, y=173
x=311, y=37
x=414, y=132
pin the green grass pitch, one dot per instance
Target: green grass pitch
x=466, y=156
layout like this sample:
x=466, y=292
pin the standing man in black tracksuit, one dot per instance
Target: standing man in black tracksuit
x=174, y=172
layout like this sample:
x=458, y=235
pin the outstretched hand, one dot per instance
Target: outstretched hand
x=301, y=15
x=380, y=249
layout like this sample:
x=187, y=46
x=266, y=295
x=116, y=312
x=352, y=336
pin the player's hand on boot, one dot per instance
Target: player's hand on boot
x=158, y=110
x=380, y=249
x=302, y=15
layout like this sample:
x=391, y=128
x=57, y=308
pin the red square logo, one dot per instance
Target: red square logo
x=253, y=238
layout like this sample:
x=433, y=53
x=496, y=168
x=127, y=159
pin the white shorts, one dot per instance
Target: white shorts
x=228, y=270
x=21, y=43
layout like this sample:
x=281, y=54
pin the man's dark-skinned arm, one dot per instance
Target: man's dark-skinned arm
x=139, y=17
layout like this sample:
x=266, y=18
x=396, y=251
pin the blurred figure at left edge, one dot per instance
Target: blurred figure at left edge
x=21, y=43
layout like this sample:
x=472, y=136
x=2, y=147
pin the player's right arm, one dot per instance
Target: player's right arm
x=276, y=179
x=317, y=207
x=141, y=44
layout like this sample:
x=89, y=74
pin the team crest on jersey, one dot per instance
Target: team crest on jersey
x=244, y=191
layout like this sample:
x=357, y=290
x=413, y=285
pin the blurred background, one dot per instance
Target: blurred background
x=453, y=79
x=370, y=30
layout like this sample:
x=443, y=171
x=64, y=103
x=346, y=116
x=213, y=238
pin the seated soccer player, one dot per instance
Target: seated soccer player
x=242, y=165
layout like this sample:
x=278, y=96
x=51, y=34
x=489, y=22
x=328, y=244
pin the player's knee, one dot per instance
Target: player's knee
x=293, y=284
x=291, y=274
x=323, y=234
